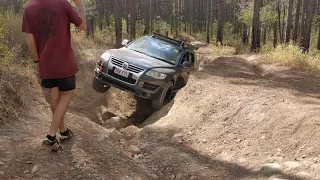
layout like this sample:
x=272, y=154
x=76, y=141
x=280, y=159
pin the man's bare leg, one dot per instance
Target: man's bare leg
x=60, y=111
x=54, y=100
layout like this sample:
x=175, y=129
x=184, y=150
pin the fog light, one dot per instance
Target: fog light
x=141, y=84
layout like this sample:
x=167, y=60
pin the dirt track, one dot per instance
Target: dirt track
x=234, y=116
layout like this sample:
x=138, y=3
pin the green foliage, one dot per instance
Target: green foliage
x=268, y=15
x=13, y=41
x=140, y=28
x=161, y=26
x=246, y=15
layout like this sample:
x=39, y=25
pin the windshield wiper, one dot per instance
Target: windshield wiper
x=153, y=56
x=162, y=59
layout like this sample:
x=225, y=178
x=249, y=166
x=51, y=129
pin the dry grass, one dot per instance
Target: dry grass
x=16, y=75
x=221, y=50
x=292, y=56
x=88, y=49
x=17, y=87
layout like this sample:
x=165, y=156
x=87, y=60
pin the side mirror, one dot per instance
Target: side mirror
x=186, y=65
x=125, y=42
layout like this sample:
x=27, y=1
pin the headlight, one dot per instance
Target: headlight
x=156, y=75
x=103, y=62
x=106, y=56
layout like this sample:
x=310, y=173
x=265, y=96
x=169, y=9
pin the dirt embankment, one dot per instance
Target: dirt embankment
x=236, y=119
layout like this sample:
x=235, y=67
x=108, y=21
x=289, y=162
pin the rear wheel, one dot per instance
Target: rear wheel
x=164, y=98
x=99, y=86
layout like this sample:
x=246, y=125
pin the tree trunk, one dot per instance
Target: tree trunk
x=244, y=34
x=220, y=4
x=289, y=21
x=147, y=14
x=118, y=22
x=107, y=13
x=279, y=21
x=208, y=20
x=296, y=24
x=90, y=26
x=255, y=45
x=176, y=17
x=264, y=35
x=306, y=25
x=126, y=14
x=283, y=24
x=275, y=34
x=133, y=18
x=318, y=46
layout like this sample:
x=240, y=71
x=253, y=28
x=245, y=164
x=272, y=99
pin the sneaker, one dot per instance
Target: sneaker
x=53, y=145
x=65, y=138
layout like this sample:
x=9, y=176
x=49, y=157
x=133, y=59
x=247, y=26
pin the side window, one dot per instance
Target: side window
x=185, y=57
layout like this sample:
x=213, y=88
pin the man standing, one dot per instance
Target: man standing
x=47, y=24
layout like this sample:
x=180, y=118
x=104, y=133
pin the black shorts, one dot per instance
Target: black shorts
x=64, y=84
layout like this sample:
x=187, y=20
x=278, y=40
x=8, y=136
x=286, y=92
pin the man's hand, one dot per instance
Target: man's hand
x=38, y=67
x=78, y=3
x=32, y=47
x=82, y=14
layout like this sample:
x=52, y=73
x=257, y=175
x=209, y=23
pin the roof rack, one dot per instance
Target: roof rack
x=174, y=41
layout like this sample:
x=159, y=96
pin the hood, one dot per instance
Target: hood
x=138, y=59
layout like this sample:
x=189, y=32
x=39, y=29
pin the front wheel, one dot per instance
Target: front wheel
x=164, y=97
x=99, y=86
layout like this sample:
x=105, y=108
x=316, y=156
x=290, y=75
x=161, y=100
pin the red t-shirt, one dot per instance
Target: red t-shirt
x=49, y=22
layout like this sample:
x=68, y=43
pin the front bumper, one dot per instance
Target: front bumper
x=144, y=87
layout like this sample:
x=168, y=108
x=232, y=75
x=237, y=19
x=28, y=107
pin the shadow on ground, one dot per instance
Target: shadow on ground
x=175, y=158
x=245, y=73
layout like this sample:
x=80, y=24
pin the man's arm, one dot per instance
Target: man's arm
x=82, y=14
x=32, y=47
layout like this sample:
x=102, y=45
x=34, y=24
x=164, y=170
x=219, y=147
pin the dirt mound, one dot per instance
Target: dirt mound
x=242, y=114
x=236, y=119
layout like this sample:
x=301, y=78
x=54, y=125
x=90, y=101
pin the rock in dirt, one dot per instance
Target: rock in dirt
x=115, y=122
x=1, y=163
x=276, y=177
x=130, y=132
x=154, y=176
x=177, y=138
x=173, y=176
x=35, y=169
x=134, y=149
x=303, y=174
x=115, y=135
x=107, y=115
x=271, y=168
x=192, y=178
x=179, y=176
x=291, y=165
x=1, y=173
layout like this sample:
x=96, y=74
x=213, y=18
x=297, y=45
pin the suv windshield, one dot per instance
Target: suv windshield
x=157, y=48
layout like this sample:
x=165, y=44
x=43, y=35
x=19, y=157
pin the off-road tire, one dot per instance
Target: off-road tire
x=164, y=97
x=98, y=86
